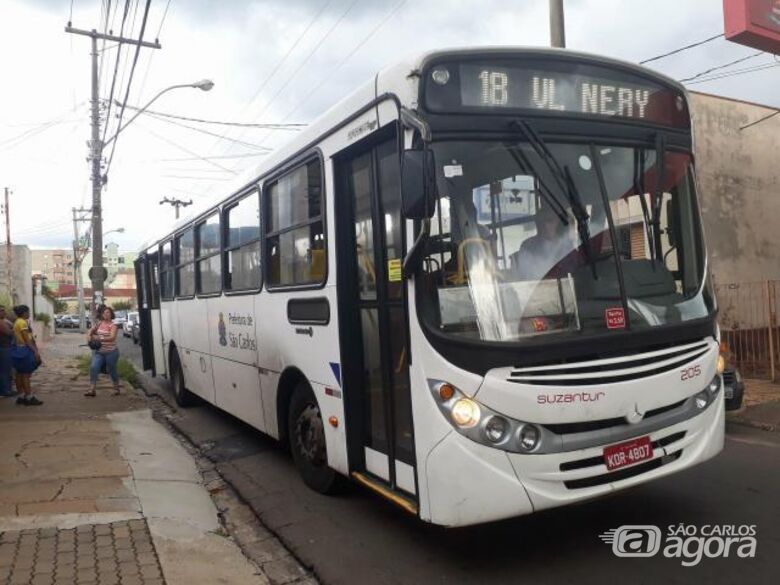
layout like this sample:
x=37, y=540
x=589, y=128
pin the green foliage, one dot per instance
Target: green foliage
x=127, y=371
x=122, y=306
x=44, y=318
x=60, y=306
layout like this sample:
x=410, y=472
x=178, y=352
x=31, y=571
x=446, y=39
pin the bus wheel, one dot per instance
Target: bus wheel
x=180, y=393
x=307, y=441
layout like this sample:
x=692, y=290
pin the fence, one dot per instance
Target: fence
x=748, y=324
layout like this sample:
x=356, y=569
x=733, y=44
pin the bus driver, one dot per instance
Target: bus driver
x=548, y=254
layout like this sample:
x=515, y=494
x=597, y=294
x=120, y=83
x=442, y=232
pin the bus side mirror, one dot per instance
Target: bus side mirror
x=418, y=184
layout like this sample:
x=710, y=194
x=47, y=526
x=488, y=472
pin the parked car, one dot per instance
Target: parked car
x=120, y=317
x=127, y=326
x=733, y=387
x=136, y=331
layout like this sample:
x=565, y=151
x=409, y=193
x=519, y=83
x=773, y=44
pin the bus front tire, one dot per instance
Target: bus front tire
x=183, y=396
x=307, y=442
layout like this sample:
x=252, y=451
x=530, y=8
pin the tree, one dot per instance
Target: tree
x=60, y=306
x=122, y=306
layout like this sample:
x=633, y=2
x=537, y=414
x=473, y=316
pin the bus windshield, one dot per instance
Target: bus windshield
x=565, y=239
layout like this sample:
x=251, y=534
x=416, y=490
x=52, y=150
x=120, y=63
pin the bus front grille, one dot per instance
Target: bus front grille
x=624, y=473
x=611, y=370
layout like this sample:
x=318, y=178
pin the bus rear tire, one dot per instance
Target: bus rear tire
x=183, y=396
x=307, y=442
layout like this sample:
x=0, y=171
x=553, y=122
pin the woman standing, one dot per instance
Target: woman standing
x=25, y=357
x=104, y=332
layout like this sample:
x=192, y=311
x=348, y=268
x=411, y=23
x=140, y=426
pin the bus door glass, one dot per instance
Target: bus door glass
x=376, y=360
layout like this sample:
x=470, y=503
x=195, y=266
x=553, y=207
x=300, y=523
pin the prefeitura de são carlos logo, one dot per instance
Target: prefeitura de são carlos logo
x=686, y=542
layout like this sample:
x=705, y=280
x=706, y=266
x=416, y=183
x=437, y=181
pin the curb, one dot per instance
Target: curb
x=746, y=422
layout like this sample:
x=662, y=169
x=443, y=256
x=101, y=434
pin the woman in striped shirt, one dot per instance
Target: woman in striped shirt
x=104, y=332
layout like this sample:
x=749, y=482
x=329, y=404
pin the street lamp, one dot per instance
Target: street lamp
x=98, y=180
x=120, y=230
x=203, y=85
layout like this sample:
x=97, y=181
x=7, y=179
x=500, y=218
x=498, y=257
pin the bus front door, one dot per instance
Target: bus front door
x=373, y=319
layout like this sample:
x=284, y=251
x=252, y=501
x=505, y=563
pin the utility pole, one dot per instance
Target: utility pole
x=98, y=271
x=177, y=203
x=9, y=250
x=77, y=266
x=557, y=27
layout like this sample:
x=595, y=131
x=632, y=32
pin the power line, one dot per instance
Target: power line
x=184, y=149
x=734, y=73
x=116, y=69
x=763, y=118
x=202, y=131
x=711, y=69
x=357, y=47
x=271, y=126
x=224, y=156
x=151, y=55
x=681, y=49
x=129, y=81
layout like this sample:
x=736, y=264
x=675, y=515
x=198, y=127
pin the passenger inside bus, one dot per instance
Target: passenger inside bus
x=547, y=254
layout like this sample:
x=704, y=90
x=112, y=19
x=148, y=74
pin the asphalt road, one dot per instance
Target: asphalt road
x=360, y=538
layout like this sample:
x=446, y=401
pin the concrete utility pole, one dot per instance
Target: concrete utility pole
x=98, y=272
x=557, y=26
x=77, y=266
x=177, y=203
x=9, y=250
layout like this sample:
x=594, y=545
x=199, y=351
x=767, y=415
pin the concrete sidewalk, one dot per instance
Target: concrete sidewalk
x=94, y=490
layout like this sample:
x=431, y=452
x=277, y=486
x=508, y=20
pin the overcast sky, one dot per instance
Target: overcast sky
x=248, y=47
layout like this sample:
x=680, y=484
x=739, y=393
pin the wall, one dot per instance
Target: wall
x=22, y=273
x=739, y=187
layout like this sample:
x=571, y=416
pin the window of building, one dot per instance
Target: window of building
x=185, y=264
x=166, y=271
x=209, y=265
x=242, y=244
x=295, y=240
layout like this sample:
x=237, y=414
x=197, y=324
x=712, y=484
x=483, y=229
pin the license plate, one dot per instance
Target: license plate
x=628, y=453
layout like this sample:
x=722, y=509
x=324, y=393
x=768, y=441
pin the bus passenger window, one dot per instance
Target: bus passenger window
x=296, y=237
x=166, y=272
x=242, y=254
x=209, y=271
x=185, y=271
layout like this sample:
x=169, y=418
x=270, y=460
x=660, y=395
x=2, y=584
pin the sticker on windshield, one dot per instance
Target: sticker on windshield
x=615, y=318
x=453, y=171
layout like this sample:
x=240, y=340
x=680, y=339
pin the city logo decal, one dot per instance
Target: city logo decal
x=222, y=330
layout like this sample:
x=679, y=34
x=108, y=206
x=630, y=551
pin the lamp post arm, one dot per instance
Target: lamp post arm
x=142, y=110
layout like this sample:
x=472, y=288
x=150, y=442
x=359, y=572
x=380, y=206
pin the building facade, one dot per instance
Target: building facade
x=738, y=168
x=54, y=264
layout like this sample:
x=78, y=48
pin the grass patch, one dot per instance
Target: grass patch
x=126, y=370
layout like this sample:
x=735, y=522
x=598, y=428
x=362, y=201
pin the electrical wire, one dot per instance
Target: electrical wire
x=129, y=81
x=198, y=158
x=681, y=49
x=711, y=69
x=153, y=53
x=184, y=149
x=734, y=73
x=349, y=55
x=762, y=119
x=116, y=70
x=202, y=131
x=296, y=127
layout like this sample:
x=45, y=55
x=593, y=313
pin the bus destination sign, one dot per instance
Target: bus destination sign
x=559, y=87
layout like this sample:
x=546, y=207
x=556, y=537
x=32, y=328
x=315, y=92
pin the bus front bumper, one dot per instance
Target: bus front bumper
x=471, y=483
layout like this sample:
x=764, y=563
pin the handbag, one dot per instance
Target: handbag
x=94, y=344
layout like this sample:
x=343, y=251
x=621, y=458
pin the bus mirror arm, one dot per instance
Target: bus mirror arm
x=413, y=259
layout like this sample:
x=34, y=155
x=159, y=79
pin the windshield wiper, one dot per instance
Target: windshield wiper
x=639, y=189
x=660, y=155
x=566, y=183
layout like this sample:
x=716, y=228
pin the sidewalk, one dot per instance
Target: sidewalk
x=760, y=406
x=96, y=491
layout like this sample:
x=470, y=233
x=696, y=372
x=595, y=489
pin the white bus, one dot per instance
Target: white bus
x=478, y=286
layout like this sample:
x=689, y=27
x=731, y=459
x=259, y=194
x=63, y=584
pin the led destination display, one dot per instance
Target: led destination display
x=555, y=87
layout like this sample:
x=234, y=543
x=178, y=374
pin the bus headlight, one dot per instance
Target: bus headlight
x=465, y=413
x=721, y=363
x=529, y=437
x=495, y=428
x=483, y=425
x=702, y=399
x=714, y=386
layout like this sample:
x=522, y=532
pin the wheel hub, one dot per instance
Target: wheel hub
x=310, y=435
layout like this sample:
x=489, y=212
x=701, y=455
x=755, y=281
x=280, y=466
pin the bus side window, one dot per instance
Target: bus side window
x=242, y=244
x=295, y=234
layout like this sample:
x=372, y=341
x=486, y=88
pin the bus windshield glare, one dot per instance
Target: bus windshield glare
x=568, y=239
